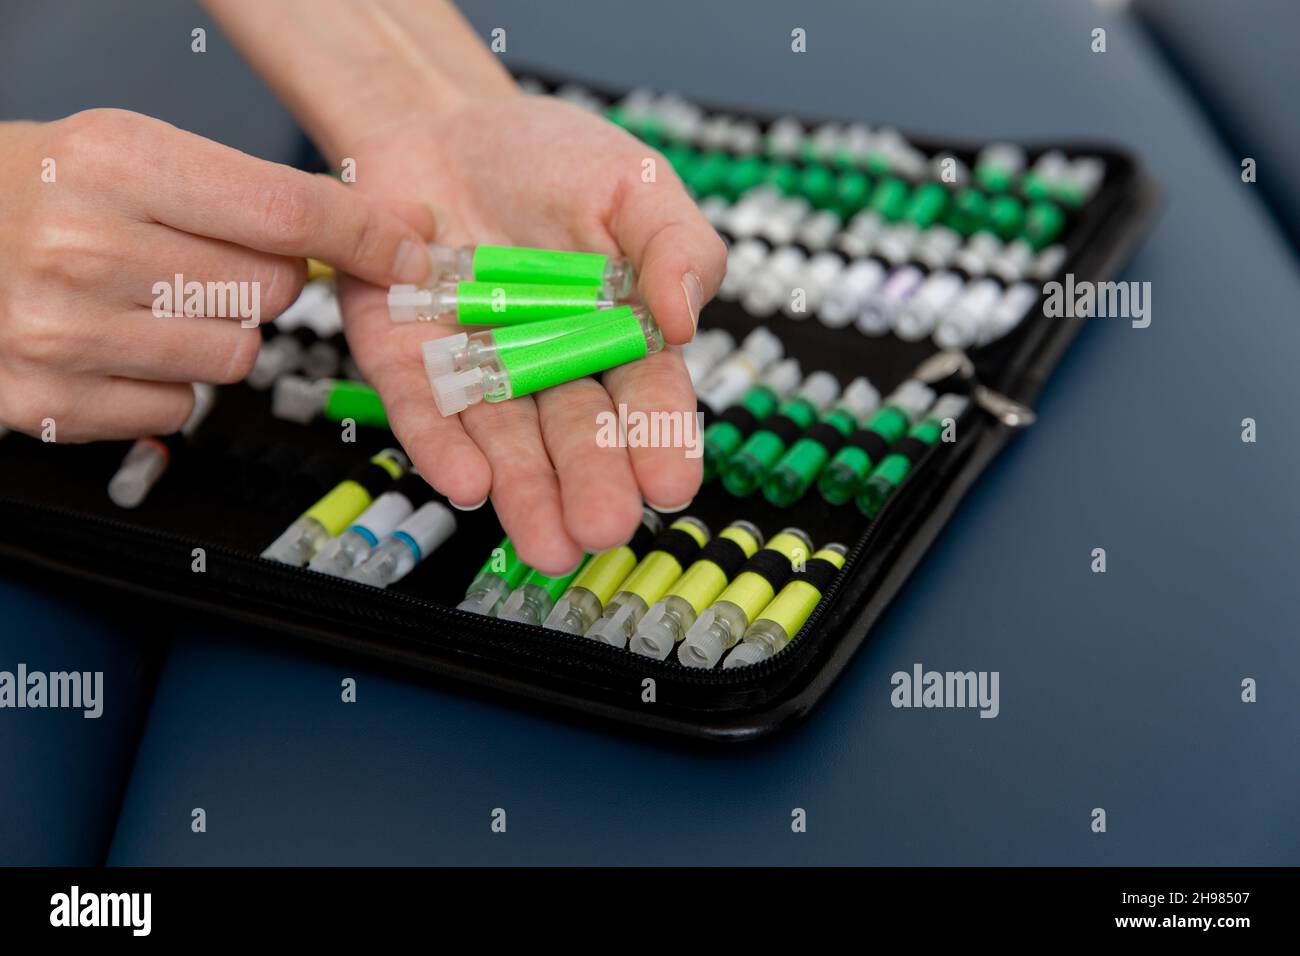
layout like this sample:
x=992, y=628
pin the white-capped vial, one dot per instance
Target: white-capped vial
x=279, y=355
x=878, y=311
x=716, y=210
x=743, y=262
x=702, y=353
x=937, y=247
x=784, y=138
x=977, y=255
x=1008, y=313
x=316, y=304
x=324, y=357
x=1084, y=177
x=819, y=230
x=855, y=145
x=744, y=137
x=824, y=141
x=409, y=543
x=682, y=120
x=1049, y=262
x=896, y=242
x=815, y=279
x=345, y=552
x=861, y=234
x=960, y=325
x=715, y=131
x=917, y=319
x=845, y=297
x=298, y=399
x=148, y=458
x=747, y=217
x=1014, y=262
x=998, y=165
x=740, y=370
x=770, y=289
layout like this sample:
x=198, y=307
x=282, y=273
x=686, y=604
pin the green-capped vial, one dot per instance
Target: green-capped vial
x=673, y=551
x=718, y=562
x=613, y=275
x=747, y=468
x=492, y=303
x=722, y=624
x=584, y=602
x=532, y=600
x=969, y=211
x=1043, y=224
x=303, y=400
x=998, y=165
x=461, y=351
x=727, y=432
x=927, y=205
x=896, y=466
x=799, y=467
x=783, y=618
x=848, y=469
x=501, y=573
x=621, y=335
x=890, y=198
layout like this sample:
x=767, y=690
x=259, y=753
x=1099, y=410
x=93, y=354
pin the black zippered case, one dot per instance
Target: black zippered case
x=55, y=515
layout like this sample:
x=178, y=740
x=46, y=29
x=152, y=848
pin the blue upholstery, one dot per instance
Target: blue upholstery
x=1118, y=691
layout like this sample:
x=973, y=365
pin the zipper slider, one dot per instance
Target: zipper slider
x=954, y=363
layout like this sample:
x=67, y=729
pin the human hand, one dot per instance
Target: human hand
x=533, y=171
x=101, y=206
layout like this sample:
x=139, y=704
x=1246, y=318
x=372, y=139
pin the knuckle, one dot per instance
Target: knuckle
x=93, y=139
x=64, y=252
x=38, y=339
x=287, y=213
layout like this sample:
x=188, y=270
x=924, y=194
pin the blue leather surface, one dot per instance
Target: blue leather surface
x=1118, y=691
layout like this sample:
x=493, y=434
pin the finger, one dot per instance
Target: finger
x=525, y=490
x=679, y=257
x=140, y=345
x=234, y=281
x=390, y=359
x=669, y=475
x=598, y=492
x=202, y=187
x=118, y=408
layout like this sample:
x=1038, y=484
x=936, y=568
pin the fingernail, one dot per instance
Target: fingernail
x=672, y=510
x=473, y=507
x=412, y=262
x=694, y=296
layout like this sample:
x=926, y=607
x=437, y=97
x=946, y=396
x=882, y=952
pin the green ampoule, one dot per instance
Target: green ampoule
x=492, y=303
x=728, y=431
x=718, y=562
x=848, y=469
x=779, y=622
x=303, y=400
x=501, y=573
x=612, y=275
x=584, y=602
x=896, y=466
x=799, y=467
x=623, y=334
x=536, y=594
x=674, y=549
x=722, y=624
x=456, y=353
x=747, y=468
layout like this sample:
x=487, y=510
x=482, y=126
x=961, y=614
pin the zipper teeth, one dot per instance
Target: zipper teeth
x=534, y=641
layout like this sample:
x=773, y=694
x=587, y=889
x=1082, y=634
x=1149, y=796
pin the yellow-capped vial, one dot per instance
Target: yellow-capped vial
x=719, y=561
x=329, y=516
x=674, y=549
x=584, y=602
x=724, y=622
x=781, y=620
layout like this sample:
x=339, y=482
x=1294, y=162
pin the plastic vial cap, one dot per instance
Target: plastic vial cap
x=762, y=346
x=405, y=302
x=743, y=654
x=613, y=630
x=654, y=635
x=140, y=471
x=819, y=388
x=430, y=525
x=949, y=406
x=296, y=399
x=703, y=645
x=782, y=377
x=860, y=397
x=440, y=355
x=912, y=397
x=458, y=391
x=709, y=346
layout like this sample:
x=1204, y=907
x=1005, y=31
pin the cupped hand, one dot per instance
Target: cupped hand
x=102, y=211
x=534, y=171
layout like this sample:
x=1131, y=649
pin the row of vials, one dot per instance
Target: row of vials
x=670, y=589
